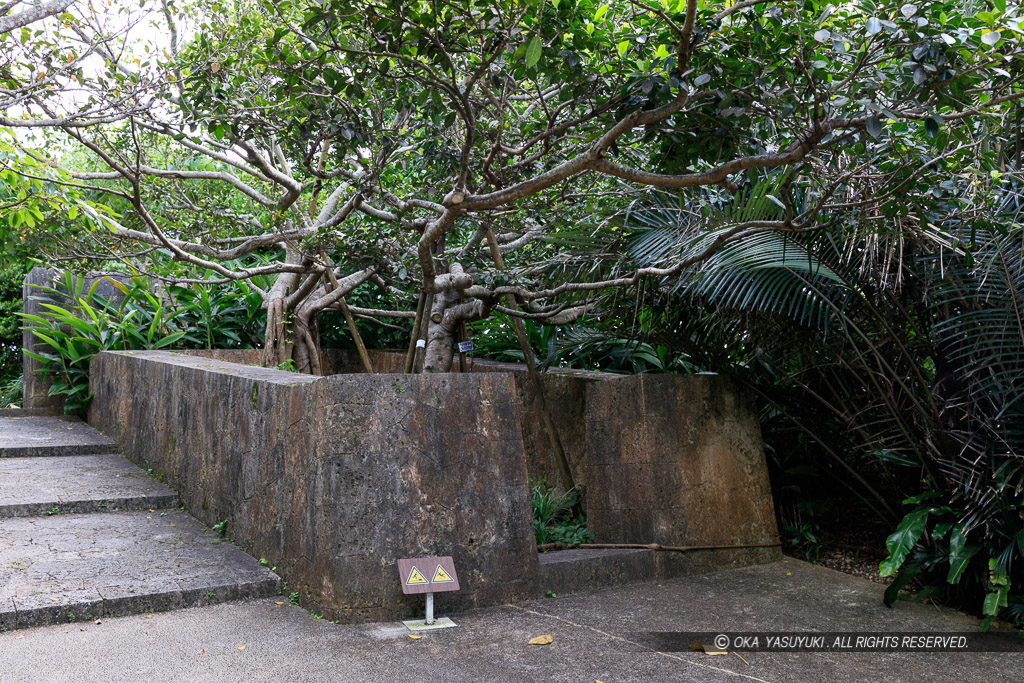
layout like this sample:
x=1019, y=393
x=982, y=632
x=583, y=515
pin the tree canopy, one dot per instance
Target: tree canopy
x=820, y=199
x=338, y=143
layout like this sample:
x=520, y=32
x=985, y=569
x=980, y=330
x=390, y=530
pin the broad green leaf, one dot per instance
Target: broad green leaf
x=873, y=26
x=874, y=127
x=991, y=38
x=960, y=554
x=991, y=604
x=903, y=540
x=534, y=48
x=168, y=340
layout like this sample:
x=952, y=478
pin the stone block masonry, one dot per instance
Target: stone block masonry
x=332, y=479
x=678, y=461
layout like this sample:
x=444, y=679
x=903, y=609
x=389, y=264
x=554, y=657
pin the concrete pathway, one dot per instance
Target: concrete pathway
x=597, y=636
x=85, y=534
x=94, y=584
x=22, y=437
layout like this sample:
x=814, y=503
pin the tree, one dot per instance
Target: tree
x=389, y=141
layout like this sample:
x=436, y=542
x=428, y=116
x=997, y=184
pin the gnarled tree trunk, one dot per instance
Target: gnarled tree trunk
x=294, y=305
x=453, y=304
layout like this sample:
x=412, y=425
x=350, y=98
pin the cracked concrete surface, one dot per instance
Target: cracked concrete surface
x=23, y=437
x=77, y=483
x=597, y=637
x=60, y=567
x=74, y=567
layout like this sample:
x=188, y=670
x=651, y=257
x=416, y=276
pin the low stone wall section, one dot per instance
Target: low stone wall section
x=678, y=461
x=564, y=391
x=332, y=479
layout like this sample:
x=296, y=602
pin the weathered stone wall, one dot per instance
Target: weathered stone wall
x=564, y=391
x=332, y=479
x=677, y=460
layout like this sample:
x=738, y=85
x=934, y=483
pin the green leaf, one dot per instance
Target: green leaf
x=901, y=581
x=873, y=26
x=991, y=38
x=960, y=554
x=874, y=127
x=914, y=500
x=903, y=540
x=534, y=48
x=168, y=340
x=991, y=604
x=931, y=128
x=895, y=458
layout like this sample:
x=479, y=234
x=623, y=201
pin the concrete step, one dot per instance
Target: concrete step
x=28, y=412
x=585, y=569
x=26, y=437
x=33, y=487
x=81, y=567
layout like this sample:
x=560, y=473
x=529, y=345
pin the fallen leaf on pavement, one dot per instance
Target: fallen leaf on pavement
x=19, y=637
x=542, y=640
x=203, y=651
x=241, y=647
x=280, y=602
x=150, y=616
x=697, y=647
x=415, y=637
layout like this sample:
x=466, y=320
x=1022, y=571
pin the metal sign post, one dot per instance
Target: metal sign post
x=413, y=573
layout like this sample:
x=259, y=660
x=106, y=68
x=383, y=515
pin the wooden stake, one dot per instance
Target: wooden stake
x=568, y=483
x=358, y=338
x=414, y=335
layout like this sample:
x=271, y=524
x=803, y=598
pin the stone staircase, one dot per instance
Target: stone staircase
x=86, y=534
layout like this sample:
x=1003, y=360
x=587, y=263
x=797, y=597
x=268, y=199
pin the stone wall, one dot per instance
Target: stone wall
x=333, y=479
x=678, y=461
x=564, y=391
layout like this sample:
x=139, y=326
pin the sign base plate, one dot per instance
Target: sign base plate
x=421, y=624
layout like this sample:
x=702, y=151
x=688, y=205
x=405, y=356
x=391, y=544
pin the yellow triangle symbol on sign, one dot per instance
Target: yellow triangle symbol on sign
x=441, y=576
x=415, y=578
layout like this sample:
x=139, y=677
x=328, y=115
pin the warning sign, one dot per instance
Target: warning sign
x=414, y=580
x=441, y=576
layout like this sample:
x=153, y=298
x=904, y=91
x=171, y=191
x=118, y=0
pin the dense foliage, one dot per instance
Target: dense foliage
x=835, y=222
